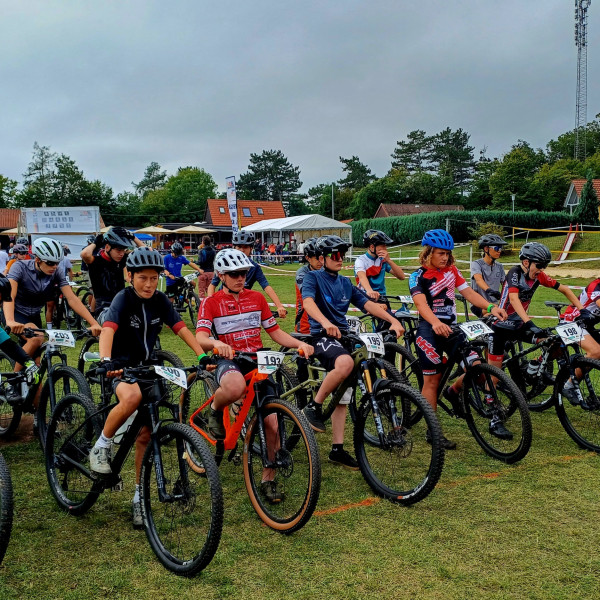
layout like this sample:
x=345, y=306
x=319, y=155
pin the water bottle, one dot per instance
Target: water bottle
x=124, y=429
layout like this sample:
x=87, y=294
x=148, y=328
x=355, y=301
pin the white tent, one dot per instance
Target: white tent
x=303, y=227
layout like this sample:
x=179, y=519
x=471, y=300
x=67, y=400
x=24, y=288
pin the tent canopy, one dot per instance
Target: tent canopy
x=153, y=230
x=299, y=223
x=193, y=229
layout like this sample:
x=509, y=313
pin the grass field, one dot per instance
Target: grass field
x=487, y=531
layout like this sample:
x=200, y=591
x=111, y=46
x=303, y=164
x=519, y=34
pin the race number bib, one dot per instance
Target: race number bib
x=176, y=376
x=373, y=342
x=268, y=360
x=354, y=324
x=474, y=329
x=571, y=333
x=61, y=338
x=406, y=299
x=190, y=277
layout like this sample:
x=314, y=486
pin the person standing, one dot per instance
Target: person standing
x=487, y=275
x=3, y=259
x=206, y=260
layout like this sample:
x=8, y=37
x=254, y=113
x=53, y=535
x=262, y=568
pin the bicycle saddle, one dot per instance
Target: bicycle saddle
x=556, y=305
x=303, y=337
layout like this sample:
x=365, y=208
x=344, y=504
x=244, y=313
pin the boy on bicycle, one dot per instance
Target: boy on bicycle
x=326, y=296
x=311, y=257
x=133, y=322
x=236, y=314
x=173, y=265
x=487, y=275
x=432, y=287
x=371, y=267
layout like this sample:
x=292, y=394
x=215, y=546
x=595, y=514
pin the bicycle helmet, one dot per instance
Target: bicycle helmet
x=47, y=248
x=374, y=236
x=438, y=238
x=535, y=252
x=331, y=243
x=177, y=249
x=229, y=260
x=90, y=239
x=243, y=238
x=22, y=240
x=19, y=248
x=145, y=258
x=310, y=248
x=5, y=289
x=118, y=237
x=491, y=239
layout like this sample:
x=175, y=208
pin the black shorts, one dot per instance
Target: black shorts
x=431, y=347
x=241, y=365
x=511, y=329
x=327, y=350
x=36, y=319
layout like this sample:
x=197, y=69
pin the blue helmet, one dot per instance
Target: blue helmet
x=438, y=238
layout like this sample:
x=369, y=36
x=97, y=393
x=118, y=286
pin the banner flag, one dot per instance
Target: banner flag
x=232, y=203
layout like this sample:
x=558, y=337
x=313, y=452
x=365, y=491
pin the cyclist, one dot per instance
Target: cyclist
x=133, y=322
x=590, y=314
x=432, y=287
x=68, y=267
x=244, y=241
x=326, y=296
x=33, y=284
x=371, y=267
x=521, y=283
x=206, y=260
x=20, y=252
x=236, y=314
x=106, y=260
x=173, y=265
x=487, y=275
x=311, y=258
x=84, y=267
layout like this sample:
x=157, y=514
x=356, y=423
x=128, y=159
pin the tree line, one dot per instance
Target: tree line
x=425, y=168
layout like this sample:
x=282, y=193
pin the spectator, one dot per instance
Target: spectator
x=206, y=258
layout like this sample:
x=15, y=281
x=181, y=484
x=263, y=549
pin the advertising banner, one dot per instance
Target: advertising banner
x=232, y=203
x=57, y=220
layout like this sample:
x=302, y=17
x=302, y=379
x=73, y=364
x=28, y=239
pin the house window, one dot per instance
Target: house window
x=260, y=211
x=222, y=210
x=246, y=212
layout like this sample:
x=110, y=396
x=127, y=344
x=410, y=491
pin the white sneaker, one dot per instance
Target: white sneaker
x=136, y=509
x=100, y=460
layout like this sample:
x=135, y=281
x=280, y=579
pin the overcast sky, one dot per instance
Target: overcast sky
x=116, y=85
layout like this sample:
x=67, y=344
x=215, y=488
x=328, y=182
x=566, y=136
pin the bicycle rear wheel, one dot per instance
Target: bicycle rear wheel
x=488, y=404
x=6, y=507
x=297, y=470
x=399, y=464
x=10, y=414
x=405, y=363
x=184, y=529
x=193, y=305
x=71, y=435
x=581, y=421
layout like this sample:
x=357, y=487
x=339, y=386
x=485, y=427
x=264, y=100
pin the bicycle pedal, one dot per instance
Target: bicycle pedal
x=118, y=486
x=236, y=459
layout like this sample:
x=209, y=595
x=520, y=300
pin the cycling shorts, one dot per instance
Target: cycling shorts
x=241, y=365
x=36, y=319
x=511, y=329
x=327, y=351
x=431, y=347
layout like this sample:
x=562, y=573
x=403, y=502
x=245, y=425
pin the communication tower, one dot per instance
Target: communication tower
x=581, y=8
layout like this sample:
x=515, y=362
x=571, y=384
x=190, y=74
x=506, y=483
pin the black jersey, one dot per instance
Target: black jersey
x=106, y=278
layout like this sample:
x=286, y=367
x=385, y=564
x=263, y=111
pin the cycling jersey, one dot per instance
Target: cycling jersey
x=35, y=287
x=173, y=264
x=492, y=274
x=438, y=286
x=237, y=323
x=332, y=294
x=589, y=297
x=137, y=323
x=106, y=277
x=518, y=283
x=375, y=268
x=254, y=274
x=301, y=325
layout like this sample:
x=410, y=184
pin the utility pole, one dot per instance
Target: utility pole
x=332, y=204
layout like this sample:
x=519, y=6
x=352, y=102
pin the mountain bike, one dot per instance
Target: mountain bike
x=64, y=313
x=17, y=397
x=186, y=299
x=390, y=445
x=278, y=444
x=182, y=510
x=6, y=507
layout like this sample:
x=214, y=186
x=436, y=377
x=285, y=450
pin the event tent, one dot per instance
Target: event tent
x=302, y=227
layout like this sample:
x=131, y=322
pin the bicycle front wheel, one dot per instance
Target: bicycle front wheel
x=401, y=460
x=293, y=455
x=496, y=413
x=6, y=507
x=581, y=420
x=193, y=302
x=71, y=435
x=184, y=525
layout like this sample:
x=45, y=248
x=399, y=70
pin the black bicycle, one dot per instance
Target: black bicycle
x=182, y=509
x=6, y=507
x=186, y=299
x=63, y=313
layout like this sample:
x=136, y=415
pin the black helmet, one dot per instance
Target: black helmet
x=22, y=240
x=145, y=258
x=119, y=237
x=491, y=239
x=5, y=289
x=90, y=239
x=310, y=248
x=331, y=243
x=374, y=236
x=243, y=238
x=535, y=252
x=177, y=249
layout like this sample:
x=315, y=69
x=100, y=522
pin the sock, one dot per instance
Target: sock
x=35, y=419
x=136, y=496
x=103, y=441
x=337, y=447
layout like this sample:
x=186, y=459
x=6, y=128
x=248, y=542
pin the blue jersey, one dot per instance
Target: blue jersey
x=332, y=294
x=254, y=274
x=173, y=264
x=375, y=269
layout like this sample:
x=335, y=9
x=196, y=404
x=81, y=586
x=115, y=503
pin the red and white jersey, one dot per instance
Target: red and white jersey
x=590, y=295
x=236, y=322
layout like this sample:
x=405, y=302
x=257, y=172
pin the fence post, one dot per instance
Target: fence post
x=470, y=255
x=448, y=224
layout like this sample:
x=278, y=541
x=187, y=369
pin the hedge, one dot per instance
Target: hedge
x=411, y=228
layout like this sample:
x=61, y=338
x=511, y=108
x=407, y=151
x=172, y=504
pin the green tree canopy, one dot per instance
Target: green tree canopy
x=586, y=212
x=8, y=192
x=153, y=180
x=358, y=175
x=414, y=154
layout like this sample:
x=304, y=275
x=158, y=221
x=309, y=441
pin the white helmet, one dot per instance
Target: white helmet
x=47, y=248
x=228, y=260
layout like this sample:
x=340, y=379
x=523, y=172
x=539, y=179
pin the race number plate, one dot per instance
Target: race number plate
x=474, y=329
x=61, y=338
x=373, y=342
x=571, y=333
x=268, y=361
x=406, y=299
x=190, y=276
x=73, y=284
x=354, y=324
x=176, y=376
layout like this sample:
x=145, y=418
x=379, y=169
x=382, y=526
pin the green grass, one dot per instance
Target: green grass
x=487, y=531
